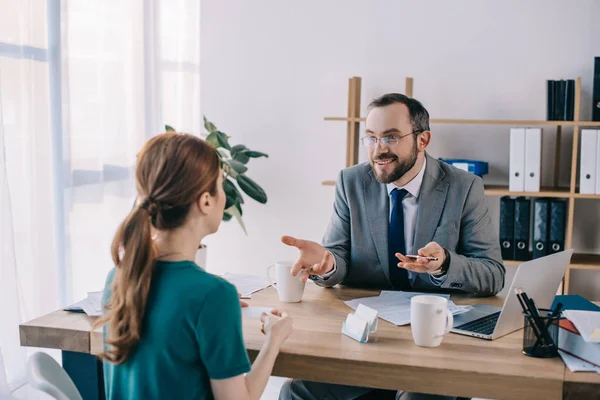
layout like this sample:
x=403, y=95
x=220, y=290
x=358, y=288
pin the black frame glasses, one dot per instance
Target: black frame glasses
x=392, y=140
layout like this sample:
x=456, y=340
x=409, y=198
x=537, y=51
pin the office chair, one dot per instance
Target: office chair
x=44, y=374
x=381, y=394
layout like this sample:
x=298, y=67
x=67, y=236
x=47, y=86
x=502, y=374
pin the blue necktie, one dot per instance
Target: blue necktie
x=396, y=244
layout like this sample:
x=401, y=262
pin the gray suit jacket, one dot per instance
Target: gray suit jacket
x=452, y=212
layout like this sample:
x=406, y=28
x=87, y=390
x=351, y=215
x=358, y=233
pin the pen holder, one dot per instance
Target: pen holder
x=540, y=335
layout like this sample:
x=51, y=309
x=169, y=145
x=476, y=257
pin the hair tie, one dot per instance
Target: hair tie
x=150, y=205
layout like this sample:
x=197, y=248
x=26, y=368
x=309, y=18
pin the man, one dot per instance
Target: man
x=403, y=202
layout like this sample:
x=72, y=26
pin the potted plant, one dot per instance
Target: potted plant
x=234, y=161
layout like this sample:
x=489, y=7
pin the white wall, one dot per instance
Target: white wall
x=271, y=70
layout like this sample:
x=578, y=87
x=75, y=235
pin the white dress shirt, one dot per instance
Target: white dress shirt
x=410, y=206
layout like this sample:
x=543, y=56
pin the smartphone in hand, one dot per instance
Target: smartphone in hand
x=416, y=257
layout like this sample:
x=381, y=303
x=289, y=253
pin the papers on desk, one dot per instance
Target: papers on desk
x=91, y=305
x=577, y=365
x=586, y=322
x=246, y=284
x=255, y=312
x=394, y=306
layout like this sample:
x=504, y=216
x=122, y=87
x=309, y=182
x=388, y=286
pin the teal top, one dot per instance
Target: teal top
x=192, y=332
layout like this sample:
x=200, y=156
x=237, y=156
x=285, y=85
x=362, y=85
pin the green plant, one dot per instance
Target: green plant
x=234, y=160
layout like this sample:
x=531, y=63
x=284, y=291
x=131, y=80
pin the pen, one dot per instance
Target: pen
x=414, y=257
x=523, y=299
x=553, y=313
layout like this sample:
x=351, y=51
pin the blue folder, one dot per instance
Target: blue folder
x=574, y=302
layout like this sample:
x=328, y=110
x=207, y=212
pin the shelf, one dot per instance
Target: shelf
x=585, y=261
x=516, y=122
x=502, y=190
x=578, y=261
x=586, y=196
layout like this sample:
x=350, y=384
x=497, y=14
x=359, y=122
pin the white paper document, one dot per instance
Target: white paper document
x=586, y=322
x=577, y=365
x=394, y=306
x=246, y=284
x=91, y=305
x=254, y=312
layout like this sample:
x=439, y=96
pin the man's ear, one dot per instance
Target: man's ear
x=423, y=140
x=205, y=203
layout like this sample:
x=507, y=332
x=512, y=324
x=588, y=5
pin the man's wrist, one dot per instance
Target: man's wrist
x=443, y=269
x=327, y=274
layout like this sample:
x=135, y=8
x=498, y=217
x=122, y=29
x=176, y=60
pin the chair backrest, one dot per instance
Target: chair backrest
x=45, y=374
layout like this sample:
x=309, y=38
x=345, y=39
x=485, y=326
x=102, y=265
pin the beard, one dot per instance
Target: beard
x=401, y=168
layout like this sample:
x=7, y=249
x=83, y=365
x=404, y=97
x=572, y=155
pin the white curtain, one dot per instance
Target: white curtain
x=85, y=84
x=9, y=289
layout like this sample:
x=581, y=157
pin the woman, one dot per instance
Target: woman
x=172, y=330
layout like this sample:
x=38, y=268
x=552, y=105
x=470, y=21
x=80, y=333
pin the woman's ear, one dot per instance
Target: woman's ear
x=205, y=203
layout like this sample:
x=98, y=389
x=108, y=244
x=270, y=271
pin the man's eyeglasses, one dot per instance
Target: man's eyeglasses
x=392, y=140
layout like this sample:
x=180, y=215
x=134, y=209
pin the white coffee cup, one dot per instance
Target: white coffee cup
x=430, y=320
x=290, y=288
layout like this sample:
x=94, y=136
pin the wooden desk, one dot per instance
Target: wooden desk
x=317, y=350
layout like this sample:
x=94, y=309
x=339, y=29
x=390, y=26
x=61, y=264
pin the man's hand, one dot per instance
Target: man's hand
x=423, y=265
x=314, y=259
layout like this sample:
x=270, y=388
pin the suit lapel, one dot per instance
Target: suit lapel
x=377, y=207
x=432, y=198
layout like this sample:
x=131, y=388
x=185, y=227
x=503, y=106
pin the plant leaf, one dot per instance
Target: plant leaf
x=223, y=154
x=241, y=157
x=237, y=166
x=252, y=189
x=169, y=128
x=218, y=139
x=232, y=193
x=235, y=212
x=256, y=154
x=226, y=216
x=228, y=169
x=238, y=148
x=209, y=126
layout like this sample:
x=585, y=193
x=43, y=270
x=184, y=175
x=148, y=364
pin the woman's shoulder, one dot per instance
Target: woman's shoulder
x=197, y=282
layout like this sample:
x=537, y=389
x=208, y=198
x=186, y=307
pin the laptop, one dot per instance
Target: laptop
x=540, y=278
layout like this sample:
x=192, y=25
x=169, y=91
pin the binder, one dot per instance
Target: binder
x=533, y=159
x=516, y=181
x=507, y=227
x=587, y=160
x=596, y=91
x=558, y=213
x=559, y=99
x=522, y=220
x=550, y=101
x=597, y=161
x=540, y=227
x=570, y=100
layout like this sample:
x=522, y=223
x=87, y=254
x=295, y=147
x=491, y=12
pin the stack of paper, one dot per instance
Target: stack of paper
x=587, y=323
x=246, y=284
x=91, y=305
x=576, y=364
x=394, y=306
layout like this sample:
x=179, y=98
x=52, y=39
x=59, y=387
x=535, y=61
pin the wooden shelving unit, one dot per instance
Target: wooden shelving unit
x=485, y=122
x=578, y=261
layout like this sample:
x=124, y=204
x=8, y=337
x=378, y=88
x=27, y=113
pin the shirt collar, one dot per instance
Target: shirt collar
x=414, y=186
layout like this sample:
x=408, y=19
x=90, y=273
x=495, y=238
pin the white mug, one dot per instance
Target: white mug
x=430, y=320
x=290, y=288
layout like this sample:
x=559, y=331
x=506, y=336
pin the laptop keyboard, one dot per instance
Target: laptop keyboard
x=484, y=325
